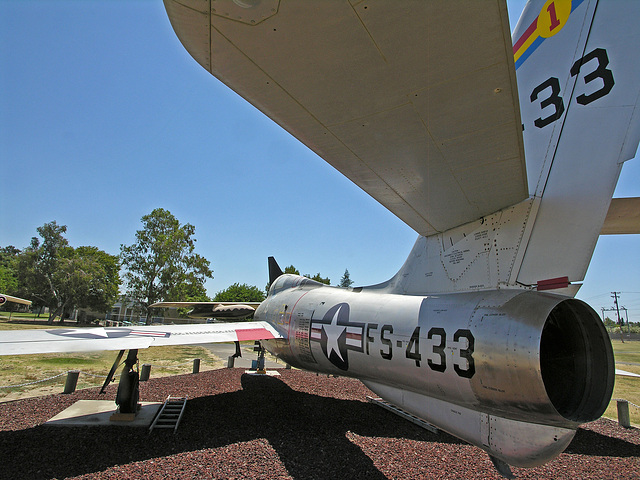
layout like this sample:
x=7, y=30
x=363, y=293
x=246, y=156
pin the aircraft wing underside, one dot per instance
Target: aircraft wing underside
x=122, y=338
x=220, y=310
x=434, y=137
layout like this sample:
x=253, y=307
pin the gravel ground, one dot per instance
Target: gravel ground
x=298, y=425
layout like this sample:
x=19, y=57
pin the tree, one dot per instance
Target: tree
x=40, y=269
x=55, y=275
x=8, y=276
x=292, y=270
x=240, y=293
x=345, y=281
x=103, y=272
x=318, y=278
x=161, y=265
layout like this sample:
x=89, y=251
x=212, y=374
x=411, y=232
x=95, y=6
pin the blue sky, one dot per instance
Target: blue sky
x=104, y=117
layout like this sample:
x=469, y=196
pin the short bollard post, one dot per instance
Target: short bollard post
x=196, y=365
x=231, y=361
x=623, y=414
x=145, y=372
x=287, y=367
x=72, y=381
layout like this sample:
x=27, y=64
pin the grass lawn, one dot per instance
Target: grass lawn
x=25, y=320
x=20, y=369
x=629, y=351
x=627, y=388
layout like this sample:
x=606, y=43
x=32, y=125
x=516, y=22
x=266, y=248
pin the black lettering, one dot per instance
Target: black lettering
x=601, y=72
x=466, y=353
x=438, y=349
x=386, y=341
x=413, y=348
x=554, y=100
x=368, y=338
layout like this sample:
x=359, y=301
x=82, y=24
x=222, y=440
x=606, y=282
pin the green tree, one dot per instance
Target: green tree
x=103, y=275
x=55, y=275
x=318, y=278
x=8, y=275
x=193, y=292
x=41, y=275
x=161, y=265
x=292, y=270
x=345, y=281
x=240, y=293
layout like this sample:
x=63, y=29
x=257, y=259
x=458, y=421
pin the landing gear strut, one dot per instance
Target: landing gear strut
x=260, y=363
x=129, y=386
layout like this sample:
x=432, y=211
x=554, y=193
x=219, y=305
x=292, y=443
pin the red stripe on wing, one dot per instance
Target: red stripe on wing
x=253, y=334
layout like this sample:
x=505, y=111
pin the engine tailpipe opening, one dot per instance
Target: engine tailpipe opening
x=576, y=361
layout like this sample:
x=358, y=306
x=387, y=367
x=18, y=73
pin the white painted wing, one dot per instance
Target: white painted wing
x=414, y=101
x=195, y=304
x=8, y=298
x=18, y=342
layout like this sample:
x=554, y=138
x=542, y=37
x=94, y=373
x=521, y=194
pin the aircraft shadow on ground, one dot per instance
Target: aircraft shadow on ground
x=588, y=442
x=308, y=432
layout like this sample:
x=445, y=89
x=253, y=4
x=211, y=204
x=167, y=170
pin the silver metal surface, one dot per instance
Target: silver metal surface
x=532, y=366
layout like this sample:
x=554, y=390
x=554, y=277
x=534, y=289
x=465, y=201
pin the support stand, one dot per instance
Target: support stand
x=260, y=363
x=129, y=386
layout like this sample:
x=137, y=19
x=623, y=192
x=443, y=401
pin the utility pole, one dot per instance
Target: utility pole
x=614, y=295
x=626, y=314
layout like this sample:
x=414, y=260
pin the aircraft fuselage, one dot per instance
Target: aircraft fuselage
x=465, y=362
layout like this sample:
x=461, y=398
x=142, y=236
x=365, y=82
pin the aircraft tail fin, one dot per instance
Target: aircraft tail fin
x=274, y=270
x=577, y=67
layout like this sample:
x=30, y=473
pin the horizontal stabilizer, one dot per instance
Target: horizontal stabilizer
x=623, y=217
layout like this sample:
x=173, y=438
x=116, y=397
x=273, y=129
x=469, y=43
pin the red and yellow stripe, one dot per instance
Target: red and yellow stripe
x=551, y=19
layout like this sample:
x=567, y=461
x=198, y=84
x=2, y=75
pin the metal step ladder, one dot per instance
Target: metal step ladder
x=406, y=415
x=170, y=413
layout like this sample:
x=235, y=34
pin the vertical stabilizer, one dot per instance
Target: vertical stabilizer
x=578, y=72
x=274, y=270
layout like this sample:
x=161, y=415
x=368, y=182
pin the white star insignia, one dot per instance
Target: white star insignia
x=333, y=332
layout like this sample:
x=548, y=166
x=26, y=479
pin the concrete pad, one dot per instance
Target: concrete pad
x=225, y=350
x=270, y=373
x=98, y=412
